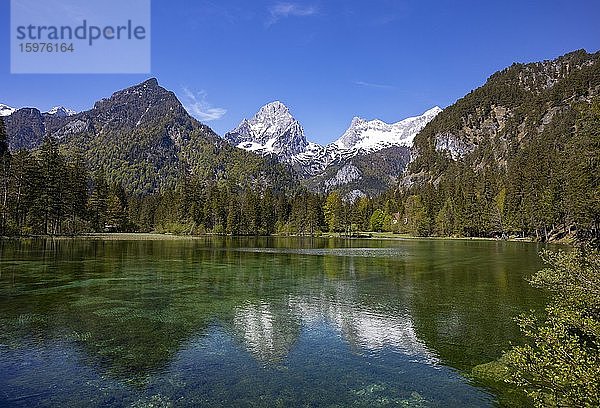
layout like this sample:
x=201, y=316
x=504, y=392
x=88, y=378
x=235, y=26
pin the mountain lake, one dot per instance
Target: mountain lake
x=258, y=322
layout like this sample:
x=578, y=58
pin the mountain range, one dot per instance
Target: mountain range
x=61, y=111
x=366, y=159
x=274, y=131
x=144, y=138
x=146, y=129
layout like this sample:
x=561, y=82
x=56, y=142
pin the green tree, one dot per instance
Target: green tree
x=560, y=364
x=234, y=226
x=98, y=202
x=51, y=201
x=22, y=189
x=583, y=172
x=444, y=220
x=376, y=221
x=5, y=175
x=416, y=216
x=314, y=215
x=76, y=179
x=333, y=211
x=117, y=208
x=364, y=207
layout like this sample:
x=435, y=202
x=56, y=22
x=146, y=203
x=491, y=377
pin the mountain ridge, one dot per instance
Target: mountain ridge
x=143, y=138
x=273, y=131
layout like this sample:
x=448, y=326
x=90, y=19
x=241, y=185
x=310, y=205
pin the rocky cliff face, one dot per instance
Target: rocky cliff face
x=515, y=105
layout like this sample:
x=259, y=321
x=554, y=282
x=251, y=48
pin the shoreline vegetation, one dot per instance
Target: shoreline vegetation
x=558, y=362
x=166, y=236
x=51, y=193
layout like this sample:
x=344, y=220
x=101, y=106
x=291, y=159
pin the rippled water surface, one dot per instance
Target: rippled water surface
x=257, y=322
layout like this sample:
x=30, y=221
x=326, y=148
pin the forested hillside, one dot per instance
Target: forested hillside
x=520, y=155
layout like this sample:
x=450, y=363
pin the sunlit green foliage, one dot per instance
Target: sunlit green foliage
x=560, y=364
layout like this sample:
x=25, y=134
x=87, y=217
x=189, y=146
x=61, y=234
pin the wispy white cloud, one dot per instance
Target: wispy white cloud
x=373, y=85
x=201, y=13
x=198, y=106
x=284, y=10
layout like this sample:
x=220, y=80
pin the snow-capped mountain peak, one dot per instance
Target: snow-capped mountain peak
x=273, y=130
x=357, y=121
x=433, y=111
x=275, y=110
x=375, y=134
x=6, y=110
x=61, y=111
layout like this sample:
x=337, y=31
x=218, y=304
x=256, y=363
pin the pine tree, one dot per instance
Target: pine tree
x=76, y=193
x=52, y=197
x=333, y=210
x=23, y=180
x=234, y=226
x=117, y=208
x=268, y=212
x=416, y=216
x=98, y=202
x=583, y=173
x=444, y=220
x=5, y=175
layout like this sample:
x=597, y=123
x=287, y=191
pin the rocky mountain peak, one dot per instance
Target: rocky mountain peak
x=142, y=103
x=432, y=112
x=61, y=111
x=357, y=121
x=26, y=128
x=272, y=130
x=275, y=109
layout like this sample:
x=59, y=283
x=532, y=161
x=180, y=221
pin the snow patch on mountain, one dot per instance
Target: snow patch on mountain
x=374, y=135
x=61, y=112
x=6, y=110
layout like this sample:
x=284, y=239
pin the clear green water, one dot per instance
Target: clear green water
x=257, y=322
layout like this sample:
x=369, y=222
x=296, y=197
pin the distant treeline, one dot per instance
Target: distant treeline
x=550, y=186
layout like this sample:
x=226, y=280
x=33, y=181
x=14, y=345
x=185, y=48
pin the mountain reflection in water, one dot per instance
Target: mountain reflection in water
x=256, y=322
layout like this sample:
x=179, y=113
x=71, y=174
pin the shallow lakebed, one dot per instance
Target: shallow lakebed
x=257, y=321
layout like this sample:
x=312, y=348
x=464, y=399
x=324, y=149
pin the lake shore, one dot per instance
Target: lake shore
x=154, y=236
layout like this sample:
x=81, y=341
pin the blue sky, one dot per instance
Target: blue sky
x=327, y=60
